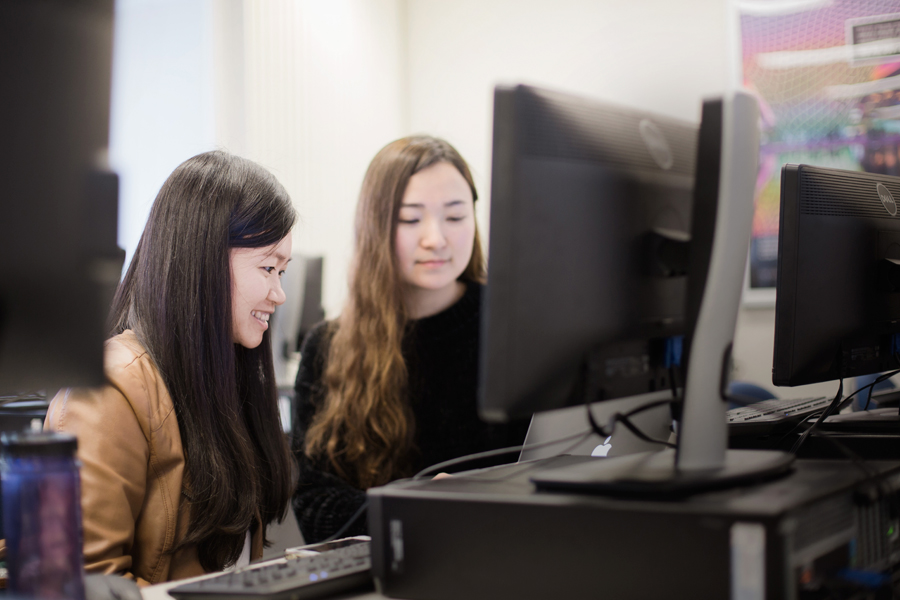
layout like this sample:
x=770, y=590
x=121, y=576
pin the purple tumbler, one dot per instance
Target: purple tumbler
x=42, y=515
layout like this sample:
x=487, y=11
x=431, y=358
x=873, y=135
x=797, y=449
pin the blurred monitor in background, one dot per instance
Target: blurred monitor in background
x=59, y=259
x=302, y=284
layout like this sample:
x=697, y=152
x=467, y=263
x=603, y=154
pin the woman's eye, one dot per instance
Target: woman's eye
x=269, y=269
x=281, y=273
x=455, y=219
x=408, y=221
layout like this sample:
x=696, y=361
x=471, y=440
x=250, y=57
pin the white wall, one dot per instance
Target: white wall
x=324, y=91
x=162, y=94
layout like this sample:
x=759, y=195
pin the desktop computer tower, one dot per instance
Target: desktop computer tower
x=489, y=534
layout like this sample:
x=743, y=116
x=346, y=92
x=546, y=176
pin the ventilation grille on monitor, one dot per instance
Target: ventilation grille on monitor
x=611, y=136
x=844, y=195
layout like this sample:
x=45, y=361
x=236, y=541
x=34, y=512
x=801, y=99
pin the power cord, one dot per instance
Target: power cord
x=462, y=460
x=532, y=465
x=494, y=453
x=625, y=420
x=346, y=526
x=837, y=405
x=825, y=414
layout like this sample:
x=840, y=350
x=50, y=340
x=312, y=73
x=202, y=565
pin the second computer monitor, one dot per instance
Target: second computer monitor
x=837, y=311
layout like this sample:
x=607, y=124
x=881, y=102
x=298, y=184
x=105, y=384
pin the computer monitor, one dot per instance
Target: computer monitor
x=590, y=214
x=59, y=260
x=592, y=278
x=837, y=310
x=301, y=311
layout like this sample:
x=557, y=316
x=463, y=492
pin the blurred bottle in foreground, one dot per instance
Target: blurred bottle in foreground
x=42, y=515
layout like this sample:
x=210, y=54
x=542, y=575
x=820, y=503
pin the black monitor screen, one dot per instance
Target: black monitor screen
x=590, y=214
x=837, y=311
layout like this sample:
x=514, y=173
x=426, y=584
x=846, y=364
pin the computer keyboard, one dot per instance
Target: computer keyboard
x=773, y=416
x=305, y=572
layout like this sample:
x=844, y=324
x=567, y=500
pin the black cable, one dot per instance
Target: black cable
x=595, y=427
x=837, y=405
x=825, y=413
x=874, y=477
x=800, y=423
x=493, y=453
x=873, y=384
x=817, y=413
x=648, y=406
x=531, y=464
x=347, y=525
x=626, y=421
x=584, y=435
x=878, y=380
x=673, y=381
x=633, y=429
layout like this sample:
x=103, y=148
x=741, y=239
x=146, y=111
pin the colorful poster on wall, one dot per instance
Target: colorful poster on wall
x=827, y=76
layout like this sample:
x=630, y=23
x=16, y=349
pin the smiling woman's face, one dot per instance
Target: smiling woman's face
x=256, y=289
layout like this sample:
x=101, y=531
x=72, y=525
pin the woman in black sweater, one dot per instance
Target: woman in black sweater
x=389, y=387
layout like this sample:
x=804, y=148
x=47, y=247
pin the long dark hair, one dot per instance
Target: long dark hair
x=176, y=297
x=365, y=428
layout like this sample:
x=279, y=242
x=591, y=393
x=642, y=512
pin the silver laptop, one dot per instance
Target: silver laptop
x=565, y=422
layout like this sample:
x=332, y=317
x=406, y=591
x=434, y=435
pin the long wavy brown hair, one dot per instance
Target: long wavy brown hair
x=365, y=427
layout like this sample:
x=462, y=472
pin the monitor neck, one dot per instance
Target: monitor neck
x=703, y=431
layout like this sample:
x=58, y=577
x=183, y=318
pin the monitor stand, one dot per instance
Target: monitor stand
x=722, y=217
x=655, y=475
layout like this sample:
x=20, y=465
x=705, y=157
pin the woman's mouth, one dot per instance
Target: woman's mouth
x=432, y=263
x=262, y=317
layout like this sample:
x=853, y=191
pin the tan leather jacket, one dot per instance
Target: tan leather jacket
x=129, y=445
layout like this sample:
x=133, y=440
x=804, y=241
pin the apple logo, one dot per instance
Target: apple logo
x=602, y=449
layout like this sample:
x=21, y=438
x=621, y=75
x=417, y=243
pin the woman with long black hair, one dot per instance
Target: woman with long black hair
x=184, y=461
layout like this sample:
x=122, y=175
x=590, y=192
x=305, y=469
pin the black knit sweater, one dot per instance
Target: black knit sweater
x=441, y=354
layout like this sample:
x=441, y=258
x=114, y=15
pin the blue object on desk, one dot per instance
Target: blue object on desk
x=674, y=349
x=863, y=398
x=747, y=393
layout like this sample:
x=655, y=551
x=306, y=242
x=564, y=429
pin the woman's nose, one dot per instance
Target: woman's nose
x=434, y=235
x=276, y=293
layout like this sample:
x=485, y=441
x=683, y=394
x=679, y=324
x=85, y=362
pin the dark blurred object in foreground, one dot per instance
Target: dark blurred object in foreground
x=59, y=262
x=42, y=515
